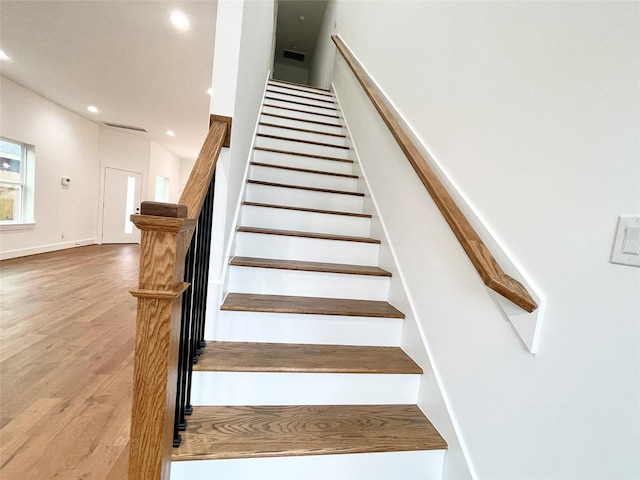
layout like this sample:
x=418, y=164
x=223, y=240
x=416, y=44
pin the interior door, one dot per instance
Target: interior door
x=122, y=190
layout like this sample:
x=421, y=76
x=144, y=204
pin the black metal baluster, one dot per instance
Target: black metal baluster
x=200, y=292
x=180, y=423
x=194, y=303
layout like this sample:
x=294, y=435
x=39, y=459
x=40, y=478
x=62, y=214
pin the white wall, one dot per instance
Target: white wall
x=163, y=163
x=65, y=144
x=533, y=110
x=290, y=73
x=253, y=68
x=70, y=145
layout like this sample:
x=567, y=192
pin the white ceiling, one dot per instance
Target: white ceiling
x=295, y=34
x=124, y=57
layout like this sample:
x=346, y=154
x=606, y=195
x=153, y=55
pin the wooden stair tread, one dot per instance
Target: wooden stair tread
x=300, y=86
x=293, y=357
x=302, y=209
x=302, y=187
x=300, y=111
x=326, y=100
x=309, y=266
x=274, y=431
x=295, y=102
x=294, y=233
x=317, y=122
x=300, y=154
x=250, y=302
x=316, y=132
x=304, y=170
x=300, y=140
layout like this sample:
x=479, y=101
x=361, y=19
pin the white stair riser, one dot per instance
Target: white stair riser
x=281, y=219
x=300, y=328
x=275, y=388
x=299, y=113
x=273, y=281
x=312, y=137
x=305, y=249
x=292, y=177
x=300, y=104
x=413, y=465
x=298, y=161
x=288, y=122
x=310, y=148
x=304, y=198
x=301, y=97
x=298, y=90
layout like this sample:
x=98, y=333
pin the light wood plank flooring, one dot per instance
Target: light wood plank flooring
x=66, y=363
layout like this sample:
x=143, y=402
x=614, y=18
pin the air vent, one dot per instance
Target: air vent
x=125, y=127
x=293, y=55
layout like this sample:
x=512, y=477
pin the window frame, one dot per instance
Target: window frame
x=26, y=183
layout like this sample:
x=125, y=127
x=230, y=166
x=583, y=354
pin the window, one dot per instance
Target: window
x=16, y=182
x=162, y=189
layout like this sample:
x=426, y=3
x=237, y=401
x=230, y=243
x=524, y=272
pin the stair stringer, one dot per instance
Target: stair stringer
x=432, y=397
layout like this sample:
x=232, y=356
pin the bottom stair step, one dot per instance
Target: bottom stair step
x=275, y=431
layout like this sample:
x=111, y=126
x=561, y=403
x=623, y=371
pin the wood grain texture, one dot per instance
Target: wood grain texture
x=304, y=170
x=300, y=87
x=309, y=266
x=300, y=111
x=196, y=188
x=159, y=297
x=66, y=363
x=293, y=233
x=292, y=357
x=249, y=432
x=302, y=187
x=248, y=302
x=296, y=95
x=485, y=264
x=161, y=209
x=229, y=121
x=286, y=127
x=299, y=154
x=304, y=104
x=312, y=210
x=299, y=140
x=317, y=122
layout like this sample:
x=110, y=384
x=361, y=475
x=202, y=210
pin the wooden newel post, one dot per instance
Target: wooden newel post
x=166, y=233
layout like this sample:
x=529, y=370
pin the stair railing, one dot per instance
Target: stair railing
x=484, y=262
x=171, y=294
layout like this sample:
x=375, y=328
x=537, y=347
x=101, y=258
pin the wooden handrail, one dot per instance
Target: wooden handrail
x=196, y=188
x=481, y=258
x=166, y=234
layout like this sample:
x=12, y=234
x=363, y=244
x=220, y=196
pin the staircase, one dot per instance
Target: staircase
x=306, y=379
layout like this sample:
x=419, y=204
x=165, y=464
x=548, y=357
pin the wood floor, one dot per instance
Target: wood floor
x=66, y=363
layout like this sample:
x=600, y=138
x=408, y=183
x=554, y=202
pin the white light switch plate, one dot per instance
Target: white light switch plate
x=624, y=246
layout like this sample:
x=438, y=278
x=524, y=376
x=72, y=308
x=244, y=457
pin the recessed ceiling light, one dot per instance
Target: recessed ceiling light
x=179, y=20
x=170, y=133
x=92, y=109
x=209, y=91
x=195, y=155
x=4, y=56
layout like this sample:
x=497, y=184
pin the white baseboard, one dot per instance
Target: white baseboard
x=23, y=252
